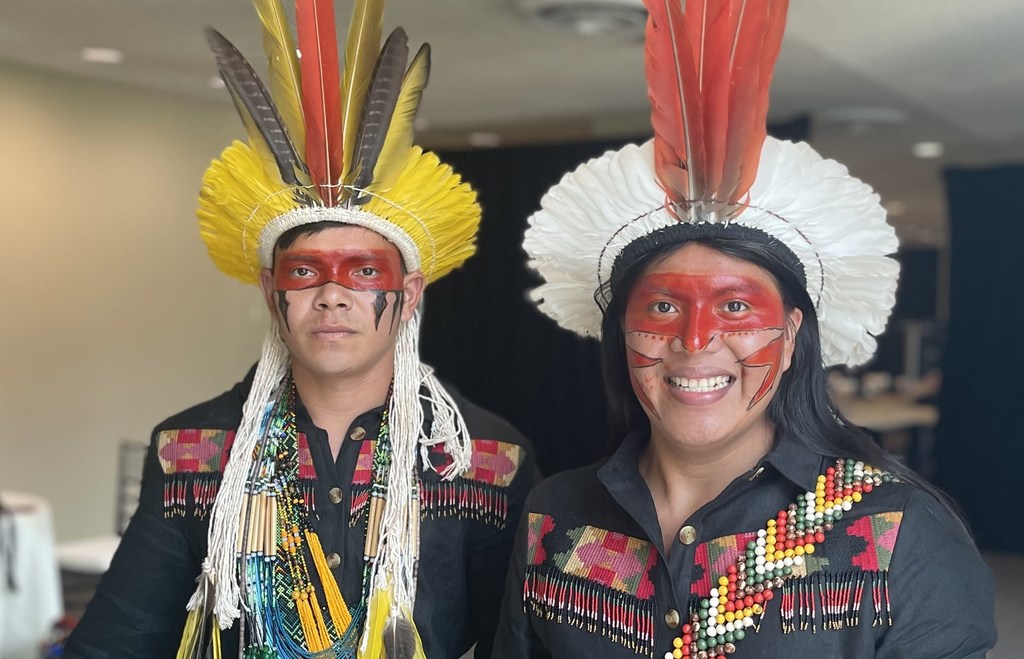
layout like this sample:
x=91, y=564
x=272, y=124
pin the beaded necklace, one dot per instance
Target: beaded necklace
x=736, y=604
x=283, y=608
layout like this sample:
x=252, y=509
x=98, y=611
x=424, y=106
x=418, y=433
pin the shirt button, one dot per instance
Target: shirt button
x=687, y=535
x=672, y=619
x=335, y=495
x=333, y=560
x=357, y=433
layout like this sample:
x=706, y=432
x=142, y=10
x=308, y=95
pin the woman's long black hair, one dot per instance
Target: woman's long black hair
x=801, y=408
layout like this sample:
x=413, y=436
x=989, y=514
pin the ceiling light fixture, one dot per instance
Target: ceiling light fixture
x=589, y=18
x=928, y=149
x=102, y=55
x=484, y=139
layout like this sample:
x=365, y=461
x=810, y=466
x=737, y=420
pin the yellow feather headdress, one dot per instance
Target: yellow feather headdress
x=356, y=165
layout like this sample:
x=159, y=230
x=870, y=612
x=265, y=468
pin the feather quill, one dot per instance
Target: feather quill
x=321, y=94
x=284, y=82
x=361, y=49
x=379, y=107
x=400, y=133
x=259, y=114
x=708, y=74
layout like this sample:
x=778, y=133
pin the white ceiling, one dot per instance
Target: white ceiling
x=946, y=71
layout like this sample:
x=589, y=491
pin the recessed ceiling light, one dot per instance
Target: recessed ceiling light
x=588, y=18
x=102, y=55
x=895, y=208
x=484, y=139
x=928, y=149
x=215, y=82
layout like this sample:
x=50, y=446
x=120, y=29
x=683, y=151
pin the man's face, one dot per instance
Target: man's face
x=707, y=338
x=340, y=296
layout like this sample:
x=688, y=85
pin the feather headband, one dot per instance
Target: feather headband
x=710, y=162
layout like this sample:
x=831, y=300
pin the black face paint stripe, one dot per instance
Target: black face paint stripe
x=396, y=309
x=283, y=304
x=380, y=303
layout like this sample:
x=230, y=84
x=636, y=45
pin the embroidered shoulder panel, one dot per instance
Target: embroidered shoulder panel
x=193, y=460
x=593, y=578
x=481, y=493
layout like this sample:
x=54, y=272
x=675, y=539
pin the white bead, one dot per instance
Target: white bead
x=730, y=627
x=798, y=560
x=788, y=562
x=769, y=565
x=721, y=630
x=847, y=505
x=761, y=533
x=712, y=630
x=759, y=569
x=668, y=655
x=759, y=551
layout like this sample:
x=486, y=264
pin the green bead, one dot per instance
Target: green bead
x=702, y=644
x=787, y=570
x=751, y=546
x=739, y=634
x=704, y=604
x=730, y=637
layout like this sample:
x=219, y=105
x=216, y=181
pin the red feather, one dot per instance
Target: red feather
x=321, y=94
x=708, y=74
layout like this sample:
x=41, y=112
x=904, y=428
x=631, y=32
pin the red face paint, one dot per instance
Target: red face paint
x=696, y=309
x=356, y=269
x=700, y=309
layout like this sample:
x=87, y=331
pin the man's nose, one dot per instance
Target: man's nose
x=331, y=296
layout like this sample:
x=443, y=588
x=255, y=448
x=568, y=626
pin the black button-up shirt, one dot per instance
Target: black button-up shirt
x=465, y=542
x=590, y=578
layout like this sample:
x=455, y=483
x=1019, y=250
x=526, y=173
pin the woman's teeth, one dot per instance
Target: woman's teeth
x=701, y=385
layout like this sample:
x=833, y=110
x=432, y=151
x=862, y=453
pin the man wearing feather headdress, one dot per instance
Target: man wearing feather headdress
x=741, y=514
x=339, y=501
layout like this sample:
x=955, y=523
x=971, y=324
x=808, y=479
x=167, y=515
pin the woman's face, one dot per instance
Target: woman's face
x=707, y=338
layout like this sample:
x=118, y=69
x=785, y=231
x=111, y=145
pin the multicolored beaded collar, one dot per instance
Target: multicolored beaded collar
x=736, y=605
x=287, y=615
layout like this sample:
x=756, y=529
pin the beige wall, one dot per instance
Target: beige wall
x=112, y=317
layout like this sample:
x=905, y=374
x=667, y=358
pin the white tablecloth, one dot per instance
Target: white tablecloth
x=29, y=612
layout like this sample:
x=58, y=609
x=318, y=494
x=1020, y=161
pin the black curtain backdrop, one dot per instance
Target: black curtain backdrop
x=483, y=336
x=980, y=439
x=481, y=333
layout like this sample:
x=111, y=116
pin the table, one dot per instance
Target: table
x=29, y=611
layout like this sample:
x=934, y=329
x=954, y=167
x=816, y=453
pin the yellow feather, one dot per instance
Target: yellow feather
x=361, y=49
x=436, y=208
x=399, y=136
x=285, y=86
x=236, y=201
x=372, y=646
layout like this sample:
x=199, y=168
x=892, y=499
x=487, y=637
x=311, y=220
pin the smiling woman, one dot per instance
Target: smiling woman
x=741, y=514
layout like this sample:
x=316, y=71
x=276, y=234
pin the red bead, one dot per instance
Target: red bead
x=759, y=597
x=731, y=569
x=790, y=544
x=748, y=600
x=768, y=595
x=809, y=539
x=780, y=546
x=819, y=537
x=732, y=575
x=687, y=639
x=730, y=605
x=868, y=487
x=687, y=629
x=847, y=491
